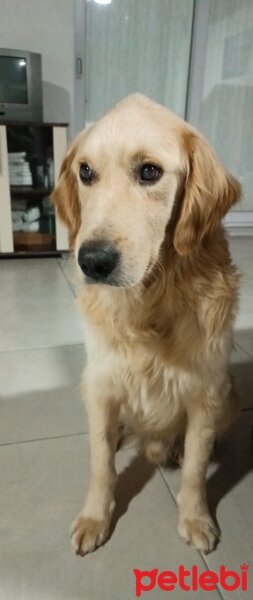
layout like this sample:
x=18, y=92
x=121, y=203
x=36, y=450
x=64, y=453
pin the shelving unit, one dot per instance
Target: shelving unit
x=30, y=160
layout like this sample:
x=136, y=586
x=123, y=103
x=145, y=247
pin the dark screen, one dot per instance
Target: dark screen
x=13, y=80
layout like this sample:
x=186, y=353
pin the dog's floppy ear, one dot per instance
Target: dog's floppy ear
x=65, y=196
x=209, y=193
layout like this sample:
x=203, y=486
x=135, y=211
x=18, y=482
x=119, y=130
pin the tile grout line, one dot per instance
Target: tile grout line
x=65, y=277
x=44, y=439
x=32, y=349
x=208, y=568
x=198, y=551
x=243, y=349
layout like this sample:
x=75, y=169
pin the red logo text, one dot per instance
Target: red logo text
x=191, y=579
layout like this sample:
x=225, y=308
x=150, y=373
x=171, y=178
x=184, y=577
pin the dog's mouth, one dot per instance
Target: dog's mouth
x=113, y=280
x=103, y=263
x=120, y=280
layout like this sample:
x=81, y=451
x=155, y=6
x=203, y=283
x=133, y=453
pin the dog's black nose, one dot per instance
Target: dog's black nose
x=98, y=259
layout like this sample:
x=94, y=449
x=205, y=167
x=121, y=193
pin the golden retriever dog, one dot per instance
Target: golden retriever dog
x=143, y=196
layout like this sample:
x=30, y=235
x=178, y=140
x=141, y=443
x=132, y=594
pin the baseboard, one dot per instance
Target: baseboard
x=239, y=231
x=239, y=223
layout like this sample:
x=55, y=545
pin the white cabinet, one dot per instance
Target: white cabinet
x=30, y=161
x=6, y=237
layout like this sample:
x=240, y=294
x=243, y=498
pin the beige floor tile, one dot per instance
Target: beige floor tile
x=40, y=395
x=36, y=306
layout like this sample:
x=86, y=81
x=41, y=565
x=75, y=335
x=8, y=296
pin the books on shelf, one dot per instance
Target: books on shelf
x=16, y=156
x=19, y=169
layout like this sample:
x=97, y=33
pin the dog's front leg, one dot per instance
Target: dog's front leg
x=195, y=523
x=91, y=527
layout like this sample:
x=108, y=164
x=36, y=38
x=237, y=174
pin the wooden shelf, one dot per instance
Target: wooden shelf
x=31, y=124
x=33, y=241
x=25, y=190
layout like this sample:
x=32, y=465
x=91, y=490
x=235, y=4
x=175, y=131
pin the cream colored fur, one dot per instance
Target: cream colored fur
x=158, y=345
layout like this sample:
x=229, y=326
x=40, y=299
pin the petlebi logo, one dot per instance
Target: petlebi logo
x=191, y=579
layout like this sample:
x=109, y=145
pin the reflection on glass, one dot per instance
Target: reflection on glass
x=227, y=104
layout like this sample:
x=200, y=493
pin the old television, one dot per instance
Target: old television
x=20, y=86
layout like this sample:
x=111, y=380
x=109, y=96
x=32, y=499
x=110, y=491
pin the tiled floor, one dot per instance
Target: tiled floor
x=44, y=456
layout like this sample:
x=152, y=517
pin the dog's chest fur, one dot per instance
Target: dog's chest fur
x=141, y=367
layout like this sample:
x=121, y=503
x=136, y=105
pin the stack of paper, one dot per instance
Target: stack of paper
x=19, y=169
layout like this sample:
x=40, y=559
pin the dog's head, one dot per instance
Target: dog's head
x=126, y=178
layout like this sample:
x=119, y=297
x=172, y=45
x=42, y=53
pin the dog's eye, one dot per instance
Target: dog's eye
x=150, y=173
x=86, y=174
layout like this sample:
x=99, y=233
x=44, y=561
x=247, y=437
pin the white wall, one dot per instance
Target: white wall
x=45, y=26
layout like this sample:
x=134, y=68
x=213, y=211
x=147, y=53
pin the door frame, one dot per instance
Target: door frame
x=80, y=35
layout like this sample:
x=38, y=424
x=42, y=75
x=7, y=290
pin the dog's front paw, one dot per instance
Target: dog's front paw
x=200, y=532
x=87, y=534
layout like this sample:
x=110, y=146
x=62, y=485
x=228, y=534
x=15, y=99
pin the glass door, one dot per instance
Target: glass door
x=135, y=46
x=226, y=108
